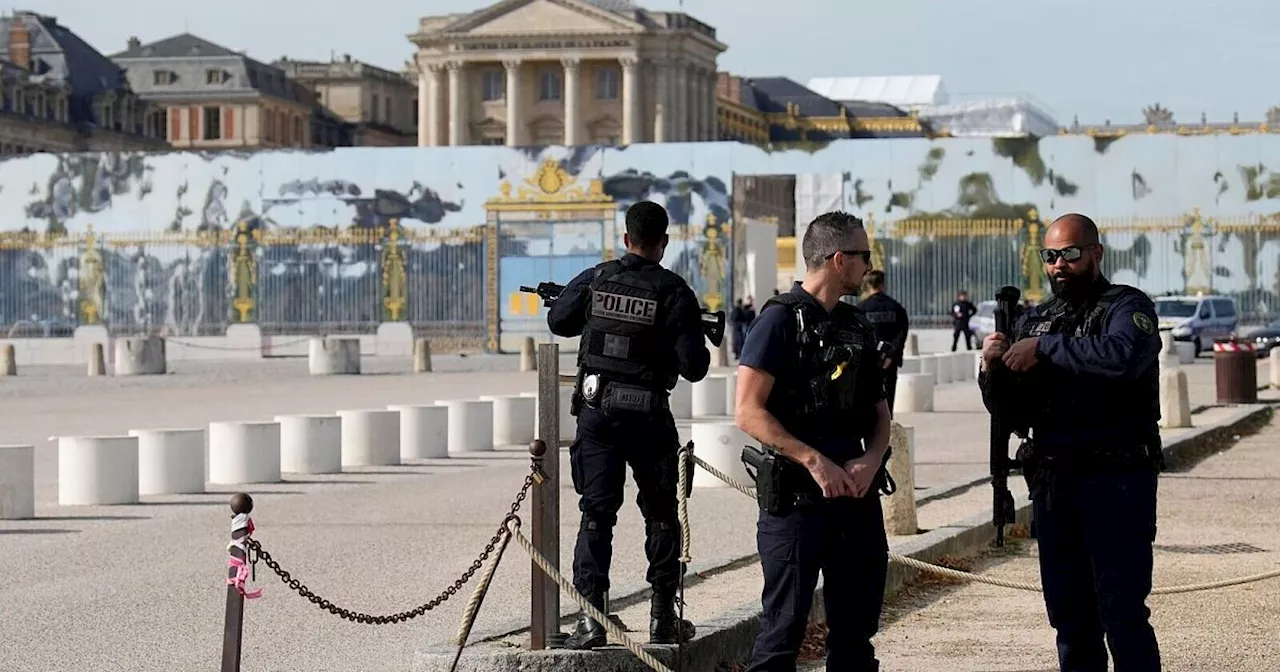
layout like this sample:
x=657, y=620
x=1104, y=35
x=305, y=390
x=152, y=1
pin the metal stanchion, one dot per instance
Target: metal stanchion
x=544, y=622
x=241, y=504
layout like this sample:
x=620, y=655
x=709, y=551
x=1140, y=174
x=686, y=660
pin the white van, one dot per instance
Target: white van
x=1199, y=319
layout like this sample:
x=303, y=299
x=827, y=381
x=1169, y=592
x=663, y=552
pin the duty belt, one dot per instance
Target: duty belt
x=613, y=397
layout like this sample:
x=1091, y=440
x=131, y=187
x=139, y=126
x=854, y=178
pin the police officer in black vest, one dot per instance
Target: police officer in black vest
x=891, y=324
x=641, y=328
x=810, y=389
x=1088, y=359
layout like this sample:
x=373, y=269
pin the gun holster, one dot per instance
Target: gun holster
x=765, y=469
x=1032, y=463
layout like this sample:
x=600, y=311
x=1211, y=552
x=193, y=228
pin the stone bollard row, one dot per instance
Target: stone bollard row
x=17, y=482
x=1175, y=401
x=333, y=356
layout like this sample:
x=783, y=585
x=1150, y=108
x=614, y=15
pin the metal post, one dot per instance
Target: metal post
x=234, y=621
x=544, y=631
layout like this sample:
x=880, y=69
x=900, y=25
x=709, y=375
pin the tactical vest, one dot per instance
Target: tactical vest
x=624, y=339
x=1112, y=403
x=822, y=396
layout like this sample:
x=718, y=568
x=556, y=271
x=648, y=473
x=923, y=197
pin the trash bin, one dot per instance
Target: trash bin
x=1235, y=368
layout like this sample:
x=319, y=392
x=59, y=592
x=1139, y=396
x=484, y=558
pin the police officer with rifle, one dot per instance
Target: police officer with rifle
x=1086, y=360
x=641, y=327
x=810, y=389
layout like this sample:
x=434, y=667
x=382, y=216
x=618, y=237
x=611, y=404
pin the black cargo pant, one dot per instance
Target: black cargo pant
x=1095, y=533
x=962, y=329
x=845, y=540
x=598, y=459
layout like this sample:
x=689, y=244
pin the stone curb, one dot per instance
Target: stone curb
x=730, y=635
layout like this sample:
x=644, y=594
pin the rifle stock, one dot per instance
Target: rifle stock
x=1002, y=425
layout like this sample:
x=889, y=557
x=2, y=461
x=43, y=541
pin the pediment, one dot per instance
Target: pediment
x=543, y=16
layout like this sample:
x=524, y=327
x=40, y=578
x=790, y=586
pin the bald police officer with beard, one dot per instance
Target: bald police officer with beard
x=1087, y=358
x=641, y=327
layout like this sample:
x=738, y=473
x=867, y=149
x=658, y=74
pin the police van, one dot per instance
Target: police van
x=1198, y=319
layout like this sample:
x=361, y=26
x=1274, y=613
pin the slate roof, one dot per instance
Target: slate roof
x=773, y=94
x=186, y=45
x=178, y=46
x=59, y=54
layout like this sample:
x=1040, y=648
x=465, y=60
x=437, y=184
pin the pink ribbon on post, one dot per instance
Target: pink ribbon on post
x=241, y=521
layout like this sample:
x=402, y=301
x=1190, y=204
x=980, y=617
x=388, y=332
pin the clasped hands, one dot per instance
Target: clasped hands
x=853, y=479
x=1020, y=356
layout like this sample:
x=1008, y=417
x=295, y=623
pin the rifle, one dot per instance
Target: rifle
x=1002, y=423
x=712, y=323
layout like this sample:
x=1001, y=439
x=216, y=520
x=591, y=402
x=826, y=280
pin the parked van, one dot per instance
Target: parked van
x=1199, y=319
x=983, y=322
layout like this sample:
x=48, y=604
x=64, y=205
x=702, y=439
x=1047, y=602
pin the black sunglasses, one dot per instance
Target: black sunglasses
x=1072, y=253
x=865, y=254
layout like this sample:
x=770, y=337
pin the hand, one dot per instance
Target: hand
x=863, y=472
x=1022, y=355
x=834, y=481
x=993, y=348
x=888, y=364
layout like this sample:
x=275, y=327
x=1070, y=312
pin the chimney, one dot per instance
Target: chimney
x=134, y=43
x=19, y=44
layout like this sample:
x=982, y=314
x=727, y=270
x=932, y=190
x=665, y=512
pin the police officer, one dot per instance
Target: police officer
x=1089, y=357
x=810, y=388
x=641, y=327
x=891, y=324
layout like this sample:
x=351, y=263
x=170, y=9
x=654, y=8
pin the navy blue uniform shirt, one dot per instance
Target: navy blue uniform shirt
x=771, y=347
x=568, y=316
x=1088, y=369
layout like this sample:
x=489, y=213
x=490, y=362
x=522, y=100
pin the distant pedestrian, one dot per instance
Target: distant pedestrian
x=961, y=312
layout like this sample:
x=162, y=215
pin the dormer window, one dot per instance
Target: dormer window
x=164, y=77
x=216, y=76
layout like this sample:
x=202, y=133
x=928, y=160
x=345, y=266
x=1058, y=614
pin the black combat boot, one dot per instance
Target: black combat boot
x=665, y=627
x=587, y=633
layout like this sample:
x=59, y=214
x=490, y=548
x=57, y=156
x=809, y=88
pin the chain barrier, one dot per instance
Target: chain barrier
x=256, y=552
x=235, y=348
x=993, y=581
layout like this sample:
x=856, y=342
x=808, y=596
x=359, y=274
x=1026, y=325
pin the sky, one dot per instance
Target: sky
x=1095, y=59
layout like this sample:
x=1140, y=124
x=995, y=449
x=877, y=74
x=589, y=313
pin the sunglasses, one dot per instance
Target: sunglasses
x=865, y=254
x=1072, y=253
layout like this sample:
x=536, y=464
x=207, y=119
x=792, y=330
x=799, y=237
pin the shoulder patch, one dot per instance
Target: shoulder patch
x=1144, y=322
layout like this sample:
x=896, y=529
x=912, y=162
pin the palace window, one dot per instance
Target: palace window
x=212, y=123
x=164, y=77
x=493, y=85
x=549, y=83
x=607, y=84
x=216, y=76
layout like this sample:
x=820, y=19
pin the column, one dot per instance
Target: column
x=435, y=99
x=630, y=102
x=699, y=87
x=695, y=104
x=424, y=107
x=680, y=106
x=515, y=103
x=457, y=104
x=713, y=115
x=661, y=101
x=572, y=136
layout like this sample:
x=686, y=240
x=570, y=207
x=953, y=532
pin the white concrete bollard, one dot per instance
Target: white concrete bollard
x=1186, y=352
x=681, y=400
x=912, y=348
x=97, y=360
x=422, y=356
x=97, y=470
x=719, y=354
x=568, y=422
x=370, y=437
x=471, y=425
x=8, y=361
x=528, y=355
x=943, y=368
x=900, y=516
x=910, y=364
x=928, y=367
x=17, y=482
x=310, y=444
x=424, y=431
x=730, y=393
x=914, y=393
x=140, y=357
x=1168, y=351
x=720, y=445
x=244, y=452
x=334, y=356
x=1175, y=402
x=707, y=397
x=170, y=461
x=963, y=366
x=1274, y=356
x=515, y=418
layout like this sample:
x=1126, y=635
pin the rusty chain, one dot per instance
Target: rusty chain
x=256, y=552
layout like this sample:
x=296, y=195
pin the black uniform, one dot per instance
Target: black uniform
x=889, y=319
x=1094, y=411
x=843, y=538
x=961, y=311
x=641, y=328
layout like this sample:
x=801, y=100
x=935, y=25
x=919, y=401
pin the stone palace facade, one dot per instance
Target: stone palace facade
x=565, y=72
